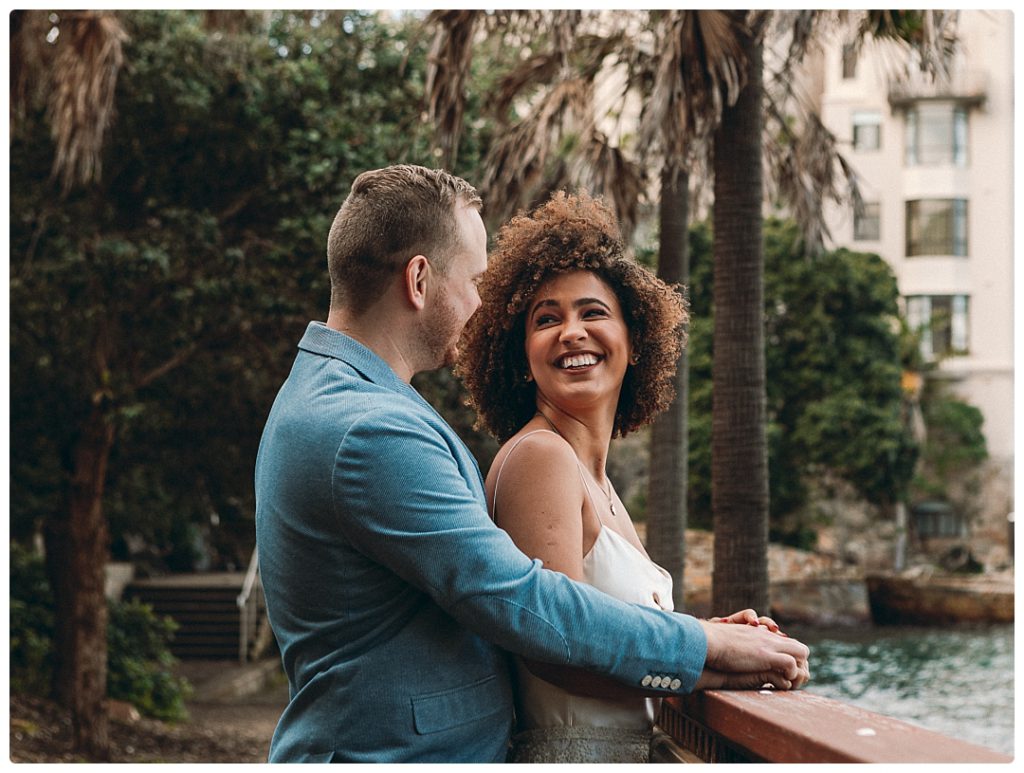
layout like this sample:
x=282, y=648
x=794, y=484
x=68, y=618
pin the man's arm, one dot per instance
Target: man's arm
x=401, y=499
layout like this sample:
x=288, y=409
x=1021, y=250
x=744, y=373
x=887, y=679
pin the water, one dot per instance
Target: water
x=954, y=681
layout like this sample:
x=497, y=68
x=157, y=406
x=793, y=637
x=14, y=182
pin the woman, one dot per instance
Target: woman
x=573, y=345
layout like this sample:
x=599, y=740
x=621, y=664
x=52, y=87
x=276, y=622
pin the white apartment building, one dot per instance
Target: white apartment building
x=936, y=167
x=935, y=162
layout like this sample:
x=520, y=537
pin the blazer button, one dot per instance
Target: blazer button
x=676, y=684
x=656, y=682
x=646, y=680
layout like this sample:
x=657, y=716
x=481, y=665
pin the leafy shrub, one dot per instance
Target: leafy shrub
x=139, y=663
x=31, y=631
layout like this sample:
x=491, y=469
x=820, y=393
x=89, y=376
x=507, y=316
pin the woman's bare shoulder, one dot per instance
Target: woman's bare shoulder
x=534, y=463
x=535, y=449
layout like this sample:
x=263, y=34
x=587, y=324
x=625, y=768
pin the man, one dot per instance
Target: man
x=393, y=597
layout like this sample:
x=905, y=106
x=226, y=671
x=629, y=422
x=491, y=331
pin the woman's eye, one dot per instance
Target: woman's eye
x=544, y=319
x=595, y=313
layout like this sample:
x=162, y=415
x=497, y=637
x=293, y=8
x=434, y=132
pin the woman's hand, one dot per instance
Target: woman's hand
x=749, y=617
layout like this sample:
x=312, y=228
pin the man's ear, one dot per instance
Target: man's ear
x=416, y=272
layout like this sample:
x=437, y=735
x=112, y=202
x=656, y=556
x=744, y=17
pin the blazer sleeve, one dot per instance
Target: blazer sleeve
x=401, y=499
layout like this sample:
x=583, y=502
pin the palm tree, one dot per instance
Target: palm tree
x=693, y=72
x=739, y=451
x=803, y=167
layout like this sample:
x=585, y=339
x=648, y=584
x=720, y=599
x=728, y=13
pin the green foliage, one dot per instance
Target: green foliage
x=833, y=362
x=31, y=632
x=954, y=446
x=174, y=291
x=139, y=663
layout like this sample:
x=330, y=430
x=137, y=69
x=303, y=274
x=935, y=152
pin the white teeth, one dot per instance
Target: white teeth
x=578, y=361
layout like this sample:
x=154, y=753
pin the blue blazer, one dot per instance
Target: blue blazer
x=394, y=598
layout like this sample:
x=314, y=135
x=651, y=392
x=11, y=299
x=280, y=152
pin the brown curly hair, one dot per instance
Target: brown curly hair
x=568, y=233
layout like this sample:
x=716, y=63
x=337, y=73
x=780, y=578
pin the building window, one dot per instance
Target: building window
x=849, y=61
x=936, y=134
x=937, y=227
x=867, y=131
x=941, y=321
x=867, y=225
x=937, y=519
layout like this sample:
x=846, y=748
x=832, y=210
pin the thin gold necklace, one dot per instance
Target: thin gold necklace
x=607, y=492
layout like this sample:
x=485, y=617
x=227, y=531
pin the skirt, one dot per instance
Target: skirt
x=580, y=744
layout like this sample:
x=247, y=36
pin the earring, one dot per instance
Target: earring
x=528, y=378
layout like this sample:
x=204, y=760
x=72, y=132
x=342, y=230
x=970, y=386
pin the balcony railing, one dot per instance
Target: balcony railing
x=969, y=86
x=788, y=727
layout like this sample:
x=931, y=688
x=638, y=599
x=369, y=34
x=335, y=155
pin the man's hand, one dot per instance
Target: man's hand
x=751, y=655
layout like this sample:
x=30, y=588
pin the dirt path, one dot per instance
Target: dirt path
x=225, y=731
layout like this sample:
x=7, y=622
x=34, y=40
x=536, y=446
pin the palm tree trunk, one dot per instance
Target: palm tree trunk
x=666, y=493
x=76, y=555
x=739, y=464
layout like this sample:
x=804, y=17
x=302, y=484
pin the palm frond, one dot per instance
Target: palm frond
x=806, y=170
x=31, y=56
x=82, y=101
x=802, y=28
x=931, y=34
x=448, y=66
x=698, y=71
x=528, y=152
x=587, y=57
x=605, y=170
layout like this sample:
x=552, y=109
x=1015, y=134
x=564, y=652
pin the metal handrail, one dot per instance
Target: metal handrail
x=250, y=579
x=248, y=602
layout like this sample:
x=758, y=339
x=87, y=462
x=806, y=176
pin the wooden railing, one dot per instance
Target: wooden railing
x=787, y=727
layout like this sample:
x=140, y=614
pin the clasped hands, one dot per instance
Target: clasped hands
x=751, y=653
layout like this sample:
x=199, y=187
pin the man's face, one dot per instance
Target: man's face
x=456, y=298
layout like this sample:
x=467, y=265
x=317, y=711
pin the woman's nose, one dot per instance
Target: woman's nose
x=573, y=330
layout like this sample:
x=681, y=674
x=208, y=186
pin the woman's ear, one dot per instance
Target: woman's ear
x=415, y=285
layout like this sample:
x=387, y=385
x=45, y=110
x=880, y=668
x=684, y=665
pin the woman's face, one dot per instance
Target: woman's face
x=577, y=342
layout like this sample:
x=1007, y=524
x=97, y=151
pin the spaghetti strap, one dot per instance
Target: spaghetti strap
x=497, y=479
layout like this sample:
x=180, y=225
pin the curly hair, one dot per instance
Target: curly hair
x=568, y=233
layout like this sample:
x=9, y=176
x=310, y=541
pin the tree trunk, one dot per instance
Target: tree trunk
x=739, y=460
x=76, y=557
x=666, y=493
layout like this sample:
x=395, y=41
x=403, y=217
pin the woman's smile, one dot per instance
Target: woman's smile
x=575, y=362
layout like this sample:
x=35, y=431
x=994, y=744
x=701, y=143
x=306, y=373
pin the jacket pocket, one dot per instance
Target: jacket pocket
x=433, y=712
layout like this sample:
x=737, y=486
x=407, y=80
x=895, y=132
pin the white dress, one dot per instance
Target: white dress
x=554, y=725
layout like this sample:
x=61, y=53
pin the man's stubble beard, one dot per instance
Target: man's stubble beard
x=441, y=334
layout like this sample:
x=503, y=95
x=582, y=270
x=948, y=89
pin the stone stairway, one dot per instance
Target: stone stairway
x=203, y=606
